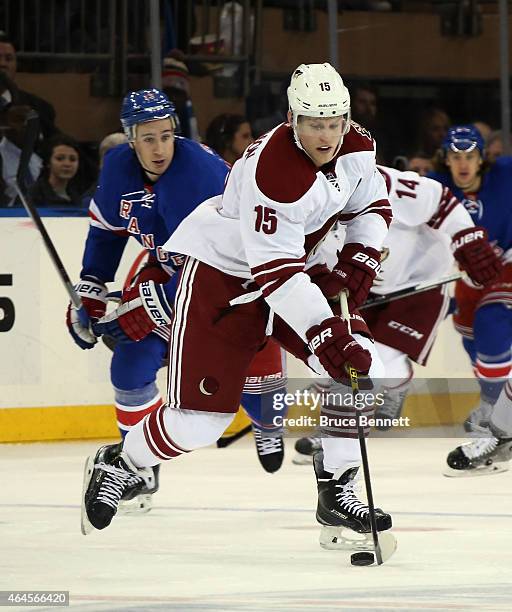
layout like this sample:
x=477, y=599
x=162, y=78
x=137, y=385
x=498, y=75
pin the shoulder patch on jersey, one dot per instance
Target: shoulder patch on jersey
x=284, y=173
x=357, y=139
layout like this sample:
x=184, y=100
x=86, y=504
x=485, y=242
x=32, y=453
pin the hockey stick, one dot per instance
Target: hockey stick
x=31, y=133
x=410, y=290
x=382, y=553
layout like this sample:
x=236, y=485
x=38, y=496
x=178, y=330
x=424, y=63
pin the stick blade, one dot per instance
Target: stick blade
x=388, y=545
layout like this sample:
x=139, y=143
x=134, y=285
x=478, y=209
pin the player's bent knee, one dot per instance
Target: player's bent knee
x=193, y=429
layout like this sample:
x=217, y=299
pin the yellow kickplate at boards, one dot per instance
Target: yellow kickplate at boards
x=57, y=423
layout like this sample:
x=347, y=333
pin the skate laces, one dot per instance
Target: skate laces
x=347, y=497
x=479, y=447
x=267, y=446
x=115, y=483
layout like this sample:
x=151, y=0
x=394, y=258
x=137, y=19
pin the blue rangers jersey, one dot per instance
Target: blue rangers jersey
x=127, y=203
x=491, y=206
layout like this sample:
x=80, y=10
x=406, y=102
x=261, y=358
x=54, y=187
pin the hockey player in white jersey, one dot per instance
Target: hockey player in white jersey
x=430, y=232
x=253, y=270
x=430, y=228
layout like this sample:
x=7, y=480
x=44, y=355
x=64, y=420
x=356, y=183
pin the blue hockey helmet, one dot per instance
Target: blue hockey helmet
x=463, y=138
x=145, y=105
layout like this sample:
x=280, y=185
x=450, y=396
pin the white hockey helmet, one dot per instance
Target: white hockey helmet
x=317, y=90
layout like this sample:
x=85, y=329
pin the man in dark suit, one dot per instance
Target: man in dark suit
x=11, y=95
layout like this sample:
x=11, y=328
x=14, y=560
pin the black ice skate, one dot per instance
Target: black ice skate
x=305, y=449
x=343, y=515
x=137, y=499
x=270, y=450
x=392, y=406
x=489, y=455
x=108, y=481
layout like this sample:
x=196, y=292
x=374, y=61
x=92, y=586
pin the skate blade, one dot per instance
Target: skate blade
x=495, y=468
x=141, y=504
x=300, y=459
x=86, y=526
x=335, y=538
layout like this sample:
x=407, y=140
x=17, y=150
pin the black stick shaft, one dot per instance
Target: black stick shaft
x=31, y=134
x=407, y=291
x=362, y=441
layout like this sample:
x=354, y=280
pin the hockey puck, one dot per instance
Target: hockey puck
x=362, y=558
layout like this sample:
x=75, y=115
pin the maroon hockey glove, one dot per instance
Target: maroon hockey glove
x=94, y=299
x=356, y=268
x=476, y=256
x=151, y=270
x=336, y=348
x=143, y=309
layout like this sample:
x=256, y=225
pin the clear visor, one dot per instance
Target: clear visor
x=336, y=126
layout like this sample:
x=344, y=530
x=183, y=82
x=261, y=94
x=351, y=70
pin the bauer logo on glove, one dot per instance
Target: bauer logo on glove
x=143, y=309
x=364, y=258
x=476, y=256
x=321, y=337
x=147, y=293
x=355, y=272
x=93, y=294
x=467, y=238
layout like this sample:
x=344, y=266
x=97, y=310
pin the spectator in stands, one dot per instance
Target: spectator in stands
x=12, y=126
x=420, y=163
x=494, y=146
x=265, y=109
x=432, y=129
x=364, y=110
x=229, y=135
x=175, y=83
x=484, y=128
x=11, y=95
x=363, y=105
x=56, y=186
x=109, y=142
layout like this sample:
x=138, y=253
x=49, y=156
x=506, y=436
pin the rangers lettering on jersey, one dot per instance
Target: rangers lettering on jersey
x=125, y=204
x=125, y=208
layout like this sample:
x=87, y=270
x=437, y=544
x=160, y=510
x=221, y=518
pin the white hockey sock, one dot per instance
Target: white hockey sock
x=340, y=453
x=169, y=432
x=397, y=364
x=501, y=417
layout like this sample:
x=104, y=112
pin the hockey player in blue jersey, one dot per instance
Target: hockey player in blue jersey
x=146, y=188
x=484, y=315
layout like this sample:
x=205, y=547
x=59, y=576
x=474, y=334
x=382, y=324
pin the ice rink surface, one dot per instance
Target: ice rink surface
x=224, y=535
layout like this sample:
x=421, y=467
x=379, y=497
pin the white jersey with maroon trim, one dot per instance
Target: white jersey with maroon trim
x=276, y=210
x=417, y=247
